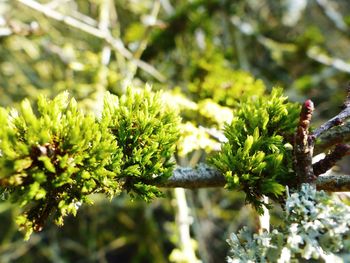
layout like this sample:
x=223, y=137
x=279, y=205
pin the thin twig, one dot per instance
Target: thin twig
x=184, y=222
x=316, y=54
x=313, y=53
x=330, y=159
x=144, y=41
x=169, y=9
x=115, y=43
x=337, y=120
x=104, y=22
x=331, y=137
x=333, y=15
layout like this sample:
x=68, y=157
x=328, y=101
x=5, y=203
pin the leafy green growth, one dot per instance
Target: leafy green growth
x=51, y=161
x=147, y=131
x=317, y=227
x=258, y=155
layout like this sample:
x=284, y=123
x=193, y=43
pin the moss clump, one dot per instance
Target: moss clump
x=146, y=130
x=257, y=158
x=52, y=160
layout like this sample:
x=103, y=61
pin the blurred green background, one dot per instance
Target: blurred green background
x=205, y=54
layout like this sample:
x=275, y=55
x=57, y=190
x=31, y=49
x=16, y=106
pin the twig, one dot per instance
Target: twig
x=303, y=148
x=184, y=223
x=329, y=138
x=169, y=9
x=329, y=161
x=333, y=15
x=104, y=22
x=115, y=43
x=55, y=3
x=144, y=41
x=316, y=54
x=74, y=13
x=337, y=120
x=313, y=53
x=333, y=183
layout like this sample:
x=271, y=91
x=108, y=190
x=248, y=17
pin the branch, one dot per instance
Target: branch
x=204, y=176
x=177, y=23
x=313, y=53
x=333, y=183
x=316, y=54
x=192, y=178
x=115, y=43
x=329, y=138
x=331, y=158
x=335, y=16
x=338, y=119
x=184, y=221
x=303, y=148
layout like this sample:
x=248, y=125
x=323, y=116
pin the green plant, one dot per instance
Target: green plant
x=257, y=158
x=53, y=160
x=146, y=130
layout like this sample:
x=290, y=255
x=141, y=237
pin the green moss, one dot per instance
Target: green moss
x=147, y=131
x=50, y=162
x=258, y=157
x=45, y=158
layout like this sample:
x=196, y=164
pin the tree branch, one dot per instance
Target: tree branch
x=336, y=120
x=314, y=53
x=331, y=158
x=192, y=178
x=204, y=176
x=115, y=43
x=329, y=138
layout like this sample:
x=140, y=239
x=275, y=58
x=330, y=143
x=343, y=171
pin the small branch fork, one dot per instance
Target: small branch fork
x=304, y=143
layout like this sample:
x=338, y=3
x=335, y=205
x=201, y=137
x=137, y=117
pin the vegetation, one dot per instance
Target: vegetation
x=79, y=121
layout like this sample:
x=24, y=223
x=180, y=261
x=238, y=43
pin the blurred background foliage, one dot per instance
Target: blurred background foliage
x=205, y=55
